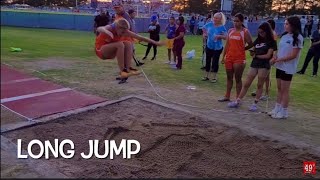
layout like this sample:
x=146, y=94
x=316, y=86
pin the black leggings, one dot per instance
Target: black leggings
x=154, y=50
x=316, y=56
x=212, y=57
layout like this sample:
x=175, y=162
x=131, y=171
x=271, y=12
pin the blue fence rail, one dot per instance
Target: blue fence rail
x=85, y=22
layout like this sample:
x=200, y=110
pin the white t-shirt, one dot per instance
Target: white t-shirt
x=285, y=48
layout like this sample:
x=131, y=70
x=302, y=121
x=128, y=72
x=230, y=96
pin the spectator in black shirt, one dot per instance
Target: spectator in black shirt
x=101, y=20
x=314, y=52
x=310, y=24
x=154, y=30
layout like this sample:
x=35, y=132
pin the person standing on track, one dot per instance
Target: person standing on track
x=262, y=53
x=267, y=82
x=286, y=63
x=154, y=31
x=313, y=52
x=132, y=13
x=216, y=32
x=170, y=31
x=179, y=42
x=234, y=55
x=101, y=19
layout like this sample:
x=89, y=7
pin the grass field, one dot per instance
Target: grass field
x=77, y=47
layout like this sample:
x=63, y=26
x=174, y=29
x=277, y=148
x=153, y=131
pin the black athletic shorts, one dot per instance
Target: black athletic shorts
x=283, y=75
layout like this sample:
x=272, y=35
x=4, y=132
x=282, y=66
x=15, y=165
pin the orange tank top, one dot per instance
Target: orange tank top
x=236, y=45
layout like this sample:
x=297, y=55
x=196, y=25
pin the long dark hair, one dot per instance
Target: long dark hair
x=240, y=17
x=295, y=25
x=272, y=24
x=181, y=20
x=269, y=35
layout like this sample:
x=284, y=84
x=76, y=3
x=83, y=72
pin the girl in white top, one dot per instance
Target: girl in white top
x=286, y=62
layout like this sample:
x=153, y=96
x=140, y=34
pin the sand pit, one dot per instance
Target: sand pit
x=174, y=144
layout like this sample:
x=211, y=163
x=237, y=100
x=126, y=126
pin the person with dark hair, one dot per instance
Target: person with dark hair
x=102, y=19
x=313, y=52
x=170, y=31
x=286, y=63
x=234, y=55
x=303, y=23
x=310, y=25
x=273, y=27
x=209, y=16
x=262, y=53
x=154, y=31
x=200, y=27
x=267, y=82
x=192, y=24
x=132, y=14
x=179, y=42
x=245, y=23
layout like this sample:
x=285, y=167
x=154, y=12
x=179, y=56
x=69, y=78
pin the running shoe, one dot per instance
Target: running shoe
x=273, y=112
x=300, y=72
x=124, y=74
x=214, y=80
x=233, y=104
x=264, y=98
x=134, y=71
x=224, y=99
x=253, y=107
x=279, y=115
x=205, y=79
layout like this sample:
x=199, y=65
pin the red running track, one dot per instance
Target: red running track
x=34, y=98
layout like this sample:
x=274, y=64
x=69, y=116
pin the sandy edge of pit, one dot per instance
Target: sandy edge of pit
x=41, y=167
x=281, y=137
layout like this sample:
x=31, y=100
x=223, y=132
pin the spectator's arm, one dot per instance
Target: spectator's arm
x=248, y=40
x=291, y=56
x=180, y=36
x=105, y=29
x=316, y=43
x=141, y=38
x=266, y=56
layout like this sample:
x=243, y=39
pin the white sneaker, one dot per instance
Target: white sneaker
x=168, y=62
x=279, y=115
x=172, y=63
x=273, y=112
x=285, y=114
